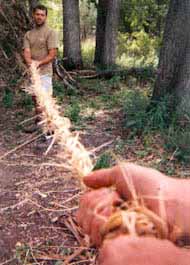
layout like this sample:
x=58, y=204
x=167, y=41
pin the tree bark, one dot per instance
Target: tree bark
x=100, y=31
x=32, y=4
x=71, y=34
x=14, y=22
x=106, y=33
x=174, y=64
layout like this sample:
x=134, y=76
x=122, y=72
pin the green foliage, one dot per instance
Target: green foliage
x=141, y=120
x=115, y=81
x=58, y=90
x=146, y=15
x=104, y=161
x=27, y=102
x=134, y=109
x=137, y=49
x=173, y=126
x=178, y=141
x=178, y=135
x=61, y=92
x=8, y=98
x=73, y=112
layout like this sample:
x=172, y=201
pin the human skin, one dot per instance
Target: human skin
x=169, y=198
x=127, y=250
x=39, y=17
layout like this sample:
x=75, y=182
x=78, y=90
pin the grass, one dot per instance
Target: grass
x=104, y=161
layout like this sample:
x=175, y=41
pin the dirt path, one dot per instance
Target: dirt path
x=38, y=200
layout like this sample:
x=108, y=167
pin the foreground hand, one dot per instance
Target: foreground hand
x=95, y=209
x=169, y=198
x=126, y=250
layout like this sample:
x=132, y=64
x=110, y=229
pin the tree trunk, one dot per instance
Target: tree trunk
x=14, y=22
x=100, y=31
x=106, y=32
x=71, y=34
x=32, y=4
x=174, y=63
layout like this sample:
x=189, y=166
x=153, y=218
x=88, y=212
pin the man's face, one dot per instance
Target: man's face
x=39, y=17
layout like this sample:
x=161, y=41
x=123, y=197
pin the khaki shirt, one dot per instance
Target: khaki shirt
x=40, y=40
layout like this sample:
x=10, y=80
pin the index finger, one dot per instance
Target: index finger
x=102, y=178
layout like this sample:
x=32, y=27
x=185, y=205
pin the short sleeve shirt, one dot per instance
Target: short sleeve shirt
x=40, y=40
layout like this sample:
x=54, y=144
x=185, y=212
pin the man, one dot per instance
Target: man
x=40, y=46
x=148, y=184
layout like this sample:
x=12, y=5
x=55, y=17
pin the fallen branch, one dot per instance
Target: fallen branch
x=108, y=74
x=8, y=261
x=12, y=207
x=29, y=119
x=21, y=146
x=65, y=76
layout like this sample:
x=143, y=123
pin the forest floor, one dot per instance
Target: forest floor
x=38, y=198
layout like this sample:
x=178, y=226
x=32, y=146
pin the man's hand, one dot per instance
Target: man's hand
x=127, y=250
x=52, y=53
x=95, y=209
x=169, y=198
x=37, y=64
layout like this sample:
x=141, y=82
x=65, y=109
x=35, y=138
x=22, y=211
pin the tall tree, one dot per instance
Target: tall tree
x=174, y=63
x=14, y=22
x=71, y=34
x=106, y=32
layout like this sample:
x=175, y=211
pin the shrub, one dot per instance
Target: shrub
x=27, y=102
x=140, y=119
x=137, y=49
x=104, y=161
x=73, y=112
x=134, y=108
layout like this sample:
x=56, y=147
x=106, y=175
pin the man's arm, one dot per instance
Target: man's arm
x=27, y=56
x=49, y=58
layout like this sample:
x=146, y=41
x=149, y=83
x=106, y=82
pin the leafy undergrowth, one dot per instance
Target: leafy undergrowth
x=39, y=197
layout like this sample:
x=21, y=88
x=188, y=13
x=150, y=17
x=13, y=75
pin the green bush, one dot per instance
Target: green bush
x=27, y=102
x=137, y=49
x=73, y=112
x=60, y=91
x=173, y=126
x=139, y=118
x=177, y=140
x=104, y=161
x=134, y=108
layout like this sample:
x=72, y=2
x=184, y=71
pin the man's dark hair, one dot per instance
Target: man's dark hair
x=40, y=7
